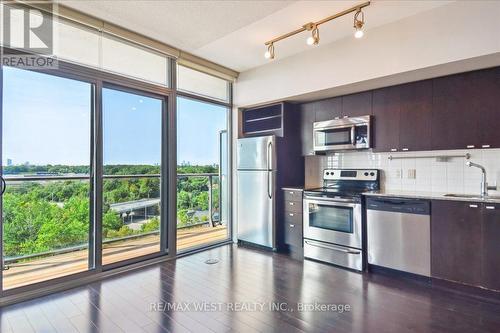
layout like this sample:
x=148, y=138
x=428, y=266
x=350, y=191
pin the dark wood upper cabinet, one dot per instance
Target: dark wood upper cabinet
x=453, y=112
x=264, y=120
x=386, y=110
x=328, y=109
x=454, y=122
x=456, y=240
x=415, y=116
x=491, y=246
x=486, y=104
x=307, y=118
x=359, y=104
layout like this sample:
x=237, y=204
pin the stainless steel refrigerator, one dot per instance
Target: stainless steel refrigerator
x=256, y=182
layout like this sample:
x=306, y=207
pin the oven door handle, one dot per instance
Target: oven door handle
x=316, y=199
x=347, y=203
x=331, y=247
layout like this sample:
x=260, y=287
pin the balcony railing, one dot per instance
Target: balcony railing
x=212, y=218
x=214, y=205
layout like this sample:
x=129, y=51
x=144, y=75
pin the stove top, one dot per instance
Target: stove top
x=346, y=183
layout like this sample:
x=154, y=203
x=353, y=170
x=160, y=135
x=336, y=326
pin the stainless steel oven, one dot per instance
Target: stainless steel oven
x=333, y=217
x=342, y=134
x=333, y=221
x=332, y=231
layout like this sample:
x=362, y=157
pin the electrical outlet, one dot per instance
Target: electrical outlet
x=412, y=173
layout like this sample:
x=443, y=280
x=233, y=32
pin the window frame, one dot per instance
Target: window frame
x=100, y=78
x=229, y=131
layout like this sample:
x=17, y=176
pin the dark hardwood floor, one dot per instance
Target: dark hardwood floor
x=134, y=301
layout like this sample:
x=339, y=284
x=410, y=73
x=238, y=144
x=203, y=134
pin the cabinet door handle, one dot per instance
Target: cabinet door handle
x=394, y=149
x=486, y=146
x=291, y=203
x=471, y=146
x=405, y=149
x=291, y=214
x=473, y=206
x=292, y=225
x=291, y=192
x=490, y=207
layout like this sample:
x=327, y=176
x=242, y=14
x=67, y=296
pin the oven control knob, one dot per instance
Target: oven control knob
x=366, y=173
x=372, y=174
x=327, y=173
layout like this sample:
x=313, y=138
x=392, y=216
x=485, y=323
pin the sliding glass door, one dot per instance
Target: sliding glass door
x=85, y=159
x=53, y=132
x=132, y=201
x=46, y=163
x=202, y=174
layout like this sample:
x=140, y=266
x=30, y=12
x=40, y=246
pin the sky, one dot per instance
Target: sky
x=46, y=120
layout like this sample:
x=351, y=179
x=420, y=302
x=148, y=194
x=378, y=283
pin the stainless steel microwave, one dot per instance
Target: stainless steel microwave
x=342, y=134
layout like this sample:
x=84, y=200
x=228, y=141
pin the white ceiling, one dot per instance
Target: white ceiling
x=232, y=33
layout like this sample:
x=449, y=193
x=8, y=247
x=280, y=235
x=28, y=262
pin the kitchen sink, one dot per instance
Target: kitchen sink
x=471, y=196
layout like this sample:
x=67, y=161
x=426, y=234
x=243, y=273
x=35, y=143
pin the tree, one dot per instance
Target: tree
x=151, y=225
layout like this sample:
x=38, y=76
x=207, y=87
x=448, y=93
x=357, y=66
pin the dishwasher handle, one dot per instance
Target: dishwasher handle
x=399, y=205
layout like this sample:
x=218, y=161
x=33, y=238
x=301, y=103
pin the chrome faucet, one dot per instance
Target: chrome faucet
x=484, y=184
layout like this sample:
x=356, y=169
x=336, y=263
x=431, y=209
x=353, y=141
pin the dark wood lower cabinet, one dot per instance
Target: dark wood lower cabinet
x=465, y=243
x=293, y=229
x=292, y=223
x=491, y=246
x=456, y=239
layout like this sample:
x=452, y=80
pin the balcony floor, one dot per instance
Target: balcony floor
x=25, y=273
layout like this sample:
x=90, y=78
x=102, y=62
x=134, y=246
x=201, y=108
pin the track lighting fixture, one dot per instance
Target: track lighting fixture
x=314, y=38
x=359, y=21
x=270, y=52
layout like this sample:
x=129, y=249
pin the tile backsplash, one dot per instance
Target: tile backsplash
x=417, y=172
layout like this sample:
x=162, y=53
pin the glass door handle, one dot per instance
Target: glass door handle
x=3, y=185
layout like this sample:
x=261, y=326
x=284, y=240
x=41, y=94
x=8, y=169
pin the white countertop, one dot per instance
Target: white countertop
x=431, y=195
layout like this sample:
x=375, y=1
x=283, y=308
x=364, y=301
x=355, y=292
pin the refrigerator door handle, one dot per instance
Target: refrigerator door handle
x=269, y=168
x=269, y=155
x=269, y=184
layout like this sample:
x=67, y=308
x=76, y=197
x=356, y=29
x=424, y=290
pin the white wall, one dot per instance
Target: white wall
x=450, y=34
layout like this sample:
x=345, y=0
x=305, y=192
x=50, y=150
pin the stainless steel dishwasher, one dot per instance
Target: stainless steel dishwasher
x=398, y=234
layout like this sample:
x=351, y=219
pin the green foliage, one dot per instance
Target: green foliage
x=152, y=225
x=110, y=221
x=45, y=216
x=122, y=232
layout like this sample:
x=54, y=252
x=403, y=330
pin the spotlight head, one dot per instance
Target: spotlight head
x=314, y=38
x=359, y=22
x=269, y=54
